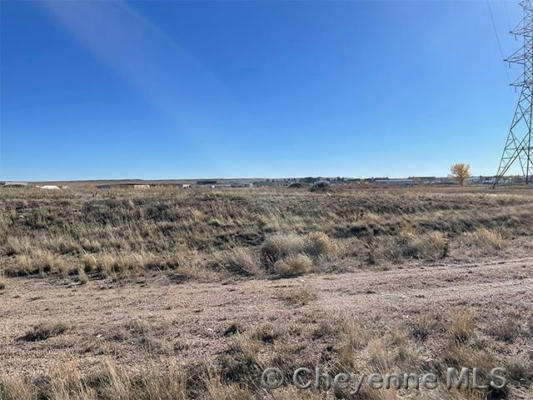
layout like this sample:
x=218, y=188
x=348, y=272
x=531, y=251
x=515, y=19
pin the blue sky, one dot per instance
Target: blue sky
x=172, y=89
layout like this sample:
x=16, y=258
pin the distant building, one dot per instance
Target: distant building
x=401, y=182
x=310, y=179
x=207, y=182
x=241, y=184
x=487, y=180
x=49, y=187
x=423, y=180
x=16, y=184
x=444, y=181
x=122, y=186
x=393, y=181
x=141, y=187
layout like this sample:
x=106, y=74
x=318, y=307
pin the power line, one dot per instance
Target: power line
x=497, y=39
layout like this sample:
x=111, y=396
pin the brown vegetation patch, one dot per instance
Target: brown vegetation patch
x=293, y=265
x=175, y=294
x=44, y=331
x=299, y=296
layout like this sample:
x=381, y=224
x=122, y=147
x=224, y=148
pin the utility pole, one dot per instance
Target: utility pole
x=518, y=143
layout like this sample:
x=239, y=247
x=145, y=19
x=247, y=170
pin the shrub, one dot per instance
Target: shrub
x=234, y=329
x=91, y=245
x=217, y=390
x=89, y=262
x=15, y=245
x=428, y=246
x=293, y=265
x=492, y=238
x=62, y=267
x=106, y=264
x=64, y=245
x=280, y=246
x=424, y=326
x=16, y=387
x=135, y=262
x=520, y=369
x=43, y=332
x=240, y=361
x=299, y=296
x=43, y=261
x=482, y=241
x=386, y=248
x=266, y=333
x=144, y=336
x=240, y=261
x=319, y=243
x=462, y=327
x=82, y=276
x=26, y=264
x=506, y=330
x=459, y=355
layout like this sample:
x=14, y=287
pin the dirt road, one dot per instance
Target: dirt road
x=188, y=320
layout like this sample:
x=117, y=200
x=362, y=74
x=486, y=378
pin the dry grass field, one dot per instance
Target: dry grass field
x=191, y=293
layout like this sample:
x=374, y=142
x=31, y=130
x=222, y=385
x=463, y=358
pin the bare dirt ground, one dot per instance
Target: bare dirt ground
x=189, y=319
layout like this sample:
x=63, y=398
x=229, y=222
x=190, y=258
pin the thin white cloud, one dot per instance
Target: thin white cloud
x=164, y=73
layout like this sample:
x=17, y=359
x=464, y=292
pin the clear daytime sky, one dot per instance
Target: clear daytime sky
x=191, y=89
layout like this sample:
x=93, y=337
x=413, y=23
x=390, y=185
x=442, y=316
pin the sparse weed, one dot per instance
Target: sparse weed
x=293, y=265
x=320, y=244
x=106, y=265
x=44, y=331
x=89, y=262
x=482, y=241
x=426, y=325
x=15, y=386
x=280, y=246
x=82, y=275
x=462, y=327
x=240, y=261
x=300, y=295
x=506, y=330
x=491, y=237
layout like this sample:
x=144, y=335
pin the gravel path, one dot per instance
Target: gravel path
x=187, y=321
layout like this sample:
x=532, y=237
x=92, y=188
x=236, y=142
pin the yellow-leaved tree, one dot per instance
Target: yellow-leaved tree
x=460, y=173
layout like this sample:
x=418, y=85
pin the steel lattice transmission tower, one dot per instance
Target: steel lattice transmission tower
x=518, y=144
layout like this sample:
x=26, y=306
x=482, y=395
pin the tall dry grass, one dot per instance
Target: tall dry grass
x=243, y=233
